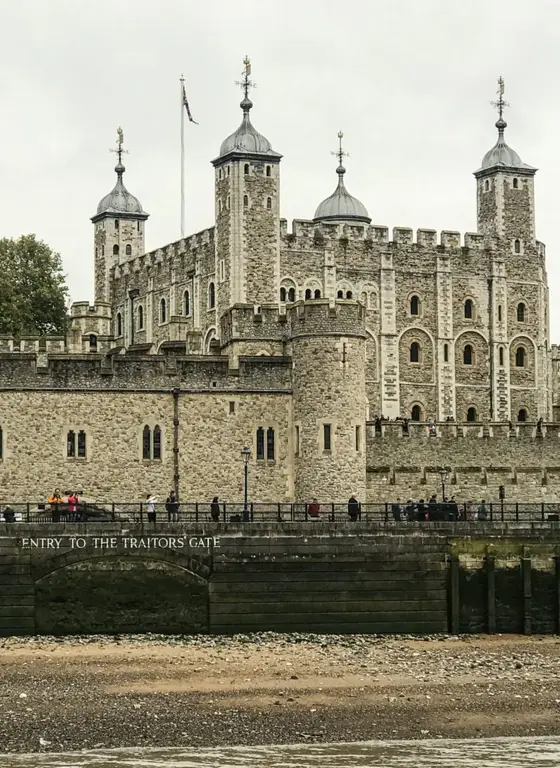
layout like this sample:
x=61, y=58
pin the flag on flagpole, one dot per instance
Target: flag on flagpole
x=186, y=105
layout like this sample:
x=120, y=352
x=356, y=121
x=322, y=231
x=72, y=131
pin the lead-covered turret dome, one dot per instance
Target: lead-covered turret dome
x=341, y=206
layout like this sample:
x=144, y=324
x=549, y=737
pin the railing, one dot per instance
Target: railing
x=261, y=512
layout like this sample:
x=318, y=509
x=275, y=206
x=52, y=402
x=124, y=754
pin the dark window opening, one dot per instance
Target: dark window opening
x=119, y=324
x=187, y=303
x=517, y=246
x=522, y=415
x=308, y=293
x=415, y=352
x=414, y=305
x=129, y=250
x=115, y=250
x=500, y=312
x=515, y=184
x=340, y=294
x=468, y=309
x=260, y=444
x=282, y=294
x=416, y=413
x=92, y=342
x=162, y=311
x=486, y=185
x=292, y=294
x=468, y=355
x=348, y=294
x=81, y=444
x=232, y=406
x=116, y=223
x=501, y=355
x=71, y=444
x=317, y=294
x=1, y=444
x=326, y=437
x=269, y=203
x=140, y=318
x=146, y=443
x=520, y=356
x=268, y=170
x=211, y=296
x=157, y=442
x=521, y=312
x=245, y=201
x=246, y=168
x=446, y=353
x=270, y=444
x=472, y=414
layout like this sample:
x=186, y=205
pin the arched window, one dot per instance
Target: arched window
x=270, y=444
x=517, y=246
x=501, y=355
x=521, y=312
x=469, y=309
x=162, y=311
x=446, y=353
x=116, y=223
x=500, y=313
x=81, y=444
x=1, y=444
x=468, y=354
x=472, y=414
x=220, y=174
x=348, y=294
x=282, y=294
x=146, y=443
x=245, y=201
x=260, y=444
x=414, y=305
x=340, y=294
x=187, y=303
x=268, y=170
x=317, y=294
x=157, y=443
x=119, y=324
x=92, y=342
x=211, y=296
x=486, y=185
x=246, y=168
x=129, y=250
x=308, y=293
x=71, y=444
x=115, y=250
x=515, y=184
x=269, y=203
x=520, y=356
x=522, y=415
x=415, y=352
x=291, y=294
x=416, y=413
x=140, y=318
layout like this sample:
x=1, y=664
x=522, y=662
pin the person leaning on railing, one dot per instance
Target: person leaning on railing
x=55, y=500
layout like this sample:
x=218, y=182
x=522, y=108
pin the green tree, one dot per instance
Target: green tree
x=33, y=289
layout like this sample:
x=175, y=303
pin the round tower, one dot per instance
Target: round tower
x=329, y=399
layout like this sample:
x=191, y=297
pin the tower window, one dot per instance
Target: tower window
x=291, y=294
x=472, y=414
x=116, y=223
x=227, y=202
x=232, y=406
x=260, y=444
x=317, y=294
x=446, y=353
x=269, y=203
x=282, y=294
x=146, y=443
x=308, y=293
x=327, y=435
x=517, y=246
x=140, y=318
x=246, y=169
x=1, y=444
x=129, y=250
x=162, y=311
x=228, y=170
x=211, y=296
x=468, y=355
x=92, y=342
x=296, y=441
x=119, y=324
x=348, y=294
x=245, y=201
x=515, y=183
x=486, y=185
x=268, y=170
x=71, y=444
x=76, y=444
x=81, y=444
x=521, y=312
x=414, y=305
x=415, y=352
x=500, y=313
x=520, y=357
x=469, y=309
x=358, y=438
x=340, y=294
x=115, y=250
x=270, y=444
x=522, y=415
x=157, y=443
x=139, y=226
x=220, y=206
x=416, y=413
x=187, y=303
x=501, y=355
x=220, y=174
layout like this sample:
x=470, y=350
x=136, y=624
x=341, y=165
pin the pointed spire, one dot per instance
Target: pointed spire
x=341, y=205
x=119, y=168
x=340, y=153
x=119, y=200
x=246, y=83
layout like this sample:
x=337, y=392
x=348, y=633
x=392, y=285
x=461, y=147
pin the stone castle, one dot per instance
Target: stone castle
x=295, y=343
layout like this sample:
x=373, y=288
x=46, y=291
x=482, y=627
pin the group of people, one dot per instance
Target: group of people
x=435, y=510
x=70, y=506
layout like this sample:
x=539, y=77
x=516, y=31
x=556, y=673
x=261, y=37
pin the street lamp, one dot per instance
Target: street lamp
x=443, y=473
x=246, y=453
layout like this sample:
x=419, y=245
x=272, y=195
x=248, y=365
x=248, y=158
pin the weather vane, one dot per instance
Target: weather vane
x=340, y=152
x=246, y=83
x=120, y=141
x=500, y=103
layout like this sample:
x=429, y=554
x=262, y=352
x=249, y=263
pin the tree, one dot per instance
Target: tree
x=33, y=291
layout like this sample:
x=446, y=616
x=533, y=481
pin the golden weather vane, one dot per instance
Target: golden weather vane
x=246, y=83
x=340, y=152
x=120, y=141
x=500, y=103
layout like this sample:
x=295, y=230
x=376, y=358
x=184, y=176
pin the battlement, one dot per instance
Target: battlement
x=83, y=309
x=323, y=317
x=396, y=430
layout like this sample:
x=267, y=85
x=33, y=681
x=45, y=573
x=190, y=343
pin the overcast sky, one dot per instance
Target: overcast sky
x=408, y=81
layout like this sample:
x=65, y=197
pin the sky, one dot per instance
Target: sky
x=408, y=81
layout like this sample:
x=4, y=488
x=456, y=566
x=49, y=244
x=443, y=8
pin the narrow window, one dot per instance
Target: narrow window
x=71, y=444
x=222, y=270
x=522, y=415
x=246, y=169
x=468, y=309
x=103, y=250
x=269, y=203
x=232, y=406
x=81, y=444
x=129, y=250
x=187, y=303
x=415, y=352
x=486, y=185
x=119, y=324
x=227, y=202
x=211, y=296
x=228, y=170
x=270, y=444
x=115, y=250
x=146, y=443
x=348, y=294
x=414, y=305
x=116, y=223
x=1, y=444
x=138, y=226
x=260, y=444
x=296, y=445
x=326, y=437
x=340, y=294
x=446, y=353
x=292, y=294
x=220, y=175
x=220, y=206
x=517, y=246
x=162, y=311
x=501, y=355
x=140, y=318
x=416, y=413
x=515, y=184
x=520, y=355
x=92, y=342
x=317, y=294
x=358, y=438
x=308, y=293
x=268, y=170
x=245, y=201
x=157, y=443
x=467, y=355
x=282, y=294
x=472, y=414
x=521, y=312
x=500, y=313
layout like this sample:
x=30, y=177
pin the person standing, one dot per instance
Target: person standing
x=314, y=509
x=55, y=500
x=353, y=508
x=72, y=507
x=151, y=508
x=215, y=510
x=172, y=507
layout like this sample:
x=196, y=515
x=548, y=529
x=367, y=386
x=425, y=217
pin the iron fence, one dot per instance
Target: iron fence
x=268, y=512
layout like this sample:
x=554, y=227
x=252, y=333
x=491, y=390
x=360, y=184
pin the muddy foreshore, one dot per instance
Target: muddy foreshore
x=87, y=692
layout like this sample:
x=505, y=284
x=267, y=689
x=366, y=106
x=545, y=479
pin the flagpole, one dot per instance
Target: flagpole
x=182, y=82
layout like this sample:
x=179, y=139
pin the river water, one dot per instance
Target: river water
x=442, y=753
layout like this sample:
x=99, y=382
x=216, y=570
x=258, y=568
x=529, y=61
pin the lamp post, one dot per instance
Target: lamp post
x=444, y=475
x=246, y=453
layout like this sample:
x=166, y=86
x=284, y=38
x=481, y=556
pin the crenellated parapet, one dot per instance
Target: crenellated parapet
x=326, y=318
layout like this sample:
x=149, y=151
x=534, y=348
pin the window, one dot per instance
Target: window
x=71, y=444
x=245, y=201
x=157, y=443
x=520, y=355
x=340, y=294
x=139, y=226
x=414, y=305
x=187, y=303
x=517, y=246
x=522, y=415
x=500, y=313
x=515, y=184
x=211, y=296
x=162, y=311
x=416, y=413
x=348, y=294
x=468, y=355
x=220, y=174
x=269, y=203
x=129, y=250
x=282, y=294
x=486, y=185
x=227, y=202
x=140, y=318
x=115, y=250
x=268, y=170
x=260, y=444
x=92, y=342
x=220, y=206
x=76, y=444
x=326, y=437
x=317, y=294
x=228, y=170
x=501, y=355
x=446, y=353
x=469, y=309
x=116, y=223
x=358, y=438
x=270, y=444
x=415, y=352
x=291, y=294
x=81, y=444
x=232, y=406
x=308, y=293
x=521, y=312
x=119, y=324
x=1, y=444
x=296, y=442
x=103, y=250
x=246, y=169
x=146, y=443
x=472, y=414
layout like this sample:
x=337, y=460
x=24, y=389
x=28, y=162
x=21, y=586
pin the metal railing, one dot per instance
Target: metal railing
x=268, y=512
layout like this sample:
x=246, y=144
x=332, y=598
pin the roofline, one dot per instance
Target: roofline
x=528, y=170
x=119, y=215
x=235, y=154
x=338, y=217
